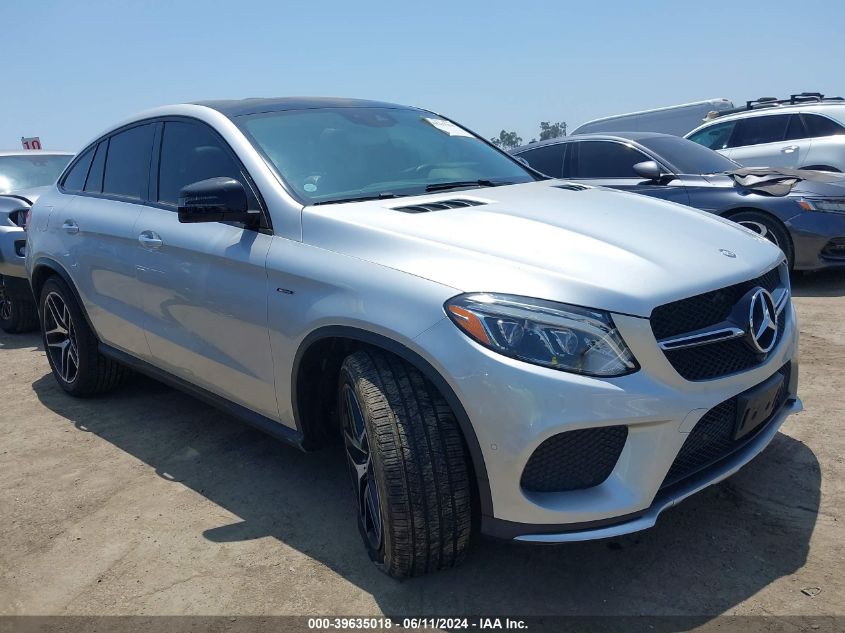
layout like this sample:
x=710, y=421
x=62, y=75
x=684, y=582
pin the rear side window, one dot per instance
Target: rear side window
x=547, y=159
x=760, y=129
x=605, y=159
x=75, y=179
x=821, y=126
x=94, y=182
x=795, y=128
x=128, y=162
x=716, y=136
x=191, y=152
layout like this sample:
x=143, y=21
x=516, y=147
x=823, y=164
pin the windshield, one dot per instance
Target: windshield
x=334, y=154
x=23, y=172
x=688, y=157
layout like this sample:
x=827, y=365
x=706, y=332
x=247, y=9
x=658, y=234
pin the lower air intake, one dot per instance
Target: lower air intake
x=574, y=460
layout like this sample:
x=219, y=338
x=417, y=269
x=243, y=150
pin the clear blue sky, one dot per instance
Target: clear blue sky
x=72, y=68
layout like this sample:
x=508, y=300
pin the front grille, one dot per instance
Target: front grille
x=574, y=460
x=717, y=359
x=694, y=313
x=705, y=362
x=711, y=440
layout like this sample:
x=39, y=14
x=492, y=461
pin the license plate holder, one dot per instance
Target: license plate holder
x=756, y=405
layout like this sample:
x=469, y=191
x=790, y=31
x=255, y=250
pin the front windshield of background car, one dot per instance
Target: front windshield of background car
x=688, y=157
x=23, y=172
x=332, y=154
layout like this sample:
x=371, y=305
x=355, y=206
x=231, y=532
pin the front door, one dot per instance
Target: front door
x=204, y=285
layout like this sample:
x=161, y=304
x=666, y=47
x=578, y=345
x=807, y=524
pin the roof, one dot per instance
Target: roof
x=33, y=152
x=775, y=109
x=618, y=136
x=240, y=107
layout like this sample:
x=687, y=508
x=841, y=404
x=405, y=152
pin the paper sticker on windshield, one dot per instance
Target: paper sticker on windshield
x=446, y=126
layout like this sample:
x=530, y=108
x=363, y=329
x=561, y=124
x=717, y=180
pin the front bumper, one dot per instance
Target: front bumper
x=12, y=244
x=514, y=407
x=816, y=236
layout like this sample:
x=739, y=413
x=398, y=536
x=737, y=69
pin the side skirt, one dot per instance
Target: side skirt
x=262, y=423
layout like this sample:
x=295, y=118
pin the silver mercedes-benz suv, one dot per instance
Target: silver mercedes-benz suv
x=547, y=361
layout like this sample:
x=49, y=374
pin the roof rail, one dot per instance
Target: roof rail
x=773, y=102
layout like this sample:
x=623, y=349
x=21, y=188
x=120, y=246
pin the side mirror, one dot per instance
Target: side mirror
x=214, y=200
x=649, y=170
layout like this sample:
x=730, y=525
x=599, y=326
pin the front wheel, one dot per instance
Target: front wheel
x=769, y=228
x=17, y=314
x=408, y=464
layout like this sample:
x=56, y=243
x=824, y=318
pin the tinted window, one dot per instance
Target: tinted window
x=688, y=157
x=191, y=152
x=94, y=183
x=716, y=136
x=128, y=162
x=821, y=126
x=795, y=128
x=75, y=179
x=760, y=129
x=547, y=159
x=604, y=159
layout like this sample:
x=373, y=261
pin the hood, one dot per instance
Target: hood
x=782, y=181
x=28, y=196
x=594, y=247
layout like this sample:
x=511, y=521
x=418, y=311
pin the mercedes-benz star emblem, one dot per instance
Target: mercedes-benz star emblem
x=727, y=253
x=762, y=321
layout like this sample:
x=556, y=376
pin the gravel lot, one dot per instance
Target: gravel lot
x=149, y=502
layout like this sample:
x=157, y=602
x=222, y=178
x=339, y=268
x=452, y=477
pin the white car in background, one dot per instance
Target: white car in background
x=806, y=131
x=24, y=174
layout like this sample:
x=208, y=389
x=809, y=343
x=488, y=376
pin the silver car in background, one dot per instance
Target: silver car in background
x=547, y=361
x=806, y=131
x=23, y=175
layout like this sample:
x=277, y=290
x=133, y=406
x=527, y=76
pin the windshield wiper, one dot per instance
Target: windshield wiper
x=443, y=186
x=385, y=195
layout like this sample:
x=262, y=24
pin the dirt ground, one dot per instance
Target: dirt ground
x=149, y=502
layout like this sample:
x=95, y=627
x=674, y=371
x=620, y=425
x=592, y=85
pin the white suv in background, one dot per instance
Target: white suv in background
x=806, y=131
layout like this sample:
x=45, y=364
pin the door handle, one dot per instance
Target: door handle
x=150, y=240
x=789, y=149
x=70, y=227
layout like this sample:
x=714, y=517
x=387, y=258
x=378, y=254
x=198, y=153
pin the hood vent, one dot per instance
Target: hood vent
x=440, y=205
x=571, y=186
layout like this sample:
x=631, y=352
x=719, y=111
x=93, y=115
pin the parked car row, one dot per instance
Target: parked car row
x=805, y=217
x=495, y=350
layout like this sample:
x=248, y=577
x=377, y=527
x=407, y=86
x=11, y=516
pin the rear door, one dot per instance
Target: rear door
x=611, y=164
x=204, y=285
x=97, y=229
x=770, y=140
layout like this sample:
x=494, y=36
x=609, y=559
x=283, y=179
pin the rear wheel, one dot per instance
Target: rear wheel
x=408, y=465
x=16, y=314
x=71, y=345
x=769, y=228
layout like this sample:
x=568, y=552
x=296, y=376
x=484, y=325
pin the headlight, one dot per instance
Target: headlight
x=831, y=205
x=556, y=335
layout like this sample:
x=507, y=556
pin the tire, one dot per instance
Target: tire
x=770, y=228
x=71, y=345
x=414, y=492
x=17, y=315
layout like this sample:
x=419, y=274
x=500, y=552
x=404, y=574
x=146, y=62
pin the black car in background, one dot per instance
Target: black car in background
x=802, y=212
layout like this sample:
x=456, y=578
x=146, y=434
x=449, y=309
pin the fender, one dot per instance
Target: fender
x=431, y=374
x=56, y=268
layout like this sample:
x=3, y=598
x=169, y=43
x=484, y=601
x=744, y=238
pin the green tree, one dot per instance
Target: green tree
x=507, y=140
x=552, y=130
